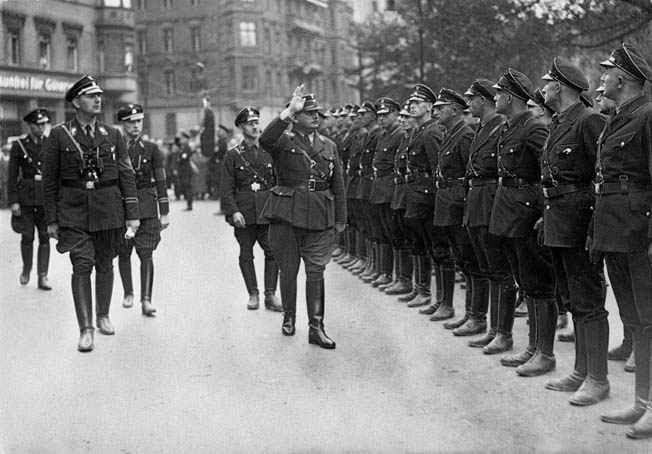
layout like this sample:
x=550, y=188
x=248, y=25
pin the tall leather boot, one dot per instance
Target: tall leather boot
x=405, y=271
x=423, y=283
x=361, y=252
x=630, y=415
x=124, y=267
x=574, y=381
x=624, y=350
x=315, y=303
x=373, y=270
x=642, y=428
x=248, y=271
x=543, y=360
x=468, y=298
x=103, y=292
x=630, y=365
x=27, y=253
x=289, y=301
x=445, y=310
x=349, y=256
x=146, y=284
x=494, y=291
x=439, y=291
x=505, y=315
x=477, y=322
x=596, y=386
x=272, y=302
x=521, y=358
x=415, y=273
x=82, y=296
x=384, y=269
x=396, y=267
x=42, y=265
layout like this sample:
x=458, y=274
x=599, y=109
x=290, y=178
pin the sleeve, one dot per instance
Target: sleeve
x=465, y=147
x=126, y=179
x=270, y=139
x=432, y=141
x=51, y=169
x=536, y=137
x=161, y=182
x=13, y=171
x=337, y=184
x=647, y=142
x=227, y=185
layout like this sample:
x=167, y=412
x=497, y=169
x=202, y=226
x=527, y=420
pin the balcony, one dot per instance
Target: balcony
x=119, y=83
x=301, y=24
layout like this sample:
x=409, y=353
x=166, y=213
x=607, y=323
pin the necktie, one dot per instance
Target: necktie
x=89, y=131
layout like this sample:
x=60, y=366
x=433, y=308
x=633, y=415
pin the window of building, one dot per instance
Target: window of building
x=118, y=3
x=170, y=83
x=267, y=40
x=167, y=4
x=129, y=58
x=72, y=53
x=141, y=5
x=44, y=51
x=141, y=37
x=170, y=124
x=249, y=78
x=194, y=2
x=168, y=40
x=14, y=48
x=195, y=38
x=248, y=34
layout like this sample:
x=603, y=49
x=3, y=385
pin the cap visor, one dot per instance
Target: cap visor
x=442, y=103
x=382, y=111
x=607, y=63
x=415, y=98
x=469, y=93
x=548, y=77
x=42, y=120
x=496, y=86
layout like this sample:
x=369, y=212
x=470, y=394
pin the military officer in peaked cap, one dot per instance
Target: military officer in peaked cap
x=247, y=177
x=25, y=196
x=90, y=196
x=482, y=177
x=567, y=169
x=428, y=242
x=449, y=213
x=390, y=240
x=149, y=166
x=517, y=207
x=621, y=220
x=305, y=208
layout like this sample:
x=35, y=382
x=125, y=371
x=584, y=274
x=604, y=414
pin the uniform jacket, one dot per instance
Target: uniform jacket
x=25, y=185
x=354, y=166
x=399, y=199
x=290, y=202
x=149, y=166
x=569, y=157
x=453, y=157
x=482, y=164
x=88, y=209
x=247, y=177
x=367, y=154
x=382, y=188
x=621, y=221
x=423, y=155
x=516, y=209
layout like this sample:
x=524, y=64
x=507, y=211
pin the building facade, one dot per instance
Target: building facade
x=237, y=53
x=46, y=45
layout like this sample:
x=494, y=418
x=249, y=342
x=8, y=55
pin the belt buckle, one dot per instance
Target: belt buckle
x=311, y=184
x=90, y=185
x=597, y=188
x=500, y=181
x=255, y=186
x=38, y=177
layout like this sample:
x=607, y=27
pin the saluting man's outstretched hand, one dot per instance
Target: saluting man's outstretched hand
x=296, y=103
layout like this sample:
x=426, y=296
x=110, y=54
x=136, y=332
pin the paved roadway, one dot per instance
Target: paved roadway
x=208, y=376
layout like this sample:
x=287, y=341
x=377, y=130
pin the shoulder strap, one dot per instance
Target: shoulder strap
x=27, y=156
x=250, y=166
x=81, y=153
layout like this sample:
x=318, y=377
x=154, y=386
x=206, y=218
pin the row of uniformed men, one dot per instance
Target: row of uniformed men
x=516, y=203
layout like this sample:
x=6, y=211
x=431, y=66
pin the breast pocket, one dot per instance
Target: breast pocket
x=508, y=156
x=565, y=156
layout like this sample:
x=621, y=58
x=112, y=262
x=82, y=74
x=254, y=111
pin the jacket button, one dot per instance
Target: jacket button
x=547, y=207
x=527, y=204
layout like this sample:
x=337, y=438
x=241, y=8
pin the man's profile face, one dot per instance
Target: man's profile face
x=133, y=128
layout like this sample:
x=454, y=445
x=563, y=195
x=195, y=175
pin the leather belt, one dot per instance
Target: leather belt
x=36, y=178
x=510, y=182
x=558, y=191
x=145, y=185
x=443, y=183
x=383, y=173
x=85, y=184
x=251, y=188
x=415, y=174
x=399, y=179
x=477, y=182
x=621, y=187
x=310, y=185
